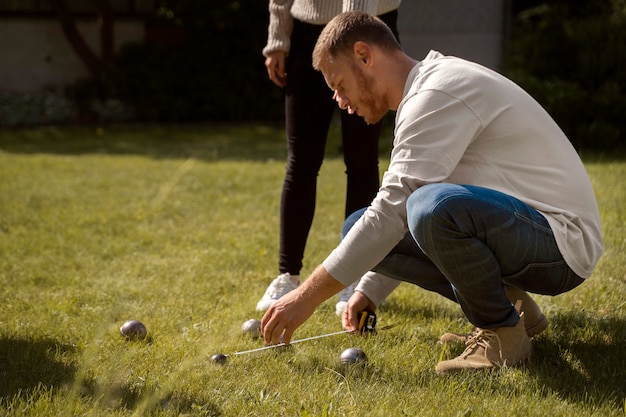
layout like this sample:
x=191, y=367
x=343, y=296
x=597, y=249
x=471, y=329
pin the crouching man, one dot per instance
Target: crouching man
x=485, y=200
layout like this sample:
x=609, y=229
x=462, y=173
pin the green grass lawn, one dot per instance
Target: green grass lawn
x=177, y=226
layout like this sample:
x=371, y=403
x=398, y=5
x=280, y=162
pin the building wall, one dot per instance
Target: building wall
x=468, y=29
x=36, y=55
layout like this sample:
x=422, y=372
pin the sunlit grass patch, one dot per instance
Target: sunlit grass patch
x=178, y=227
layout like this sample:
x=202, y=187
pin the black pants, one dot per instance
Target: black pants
x=309, y=108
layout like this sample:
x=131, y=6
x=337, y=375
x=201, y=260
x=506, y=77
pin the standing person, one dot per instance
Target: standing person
x=483, y=192
x=293, y=29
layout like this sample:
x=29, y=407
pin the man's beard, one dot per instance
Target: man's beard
x=376, y=110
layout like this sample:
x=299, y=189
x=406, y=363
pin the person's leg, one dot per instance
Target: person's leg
x=360, y=154
x=406, y=262
x=308, y=110
x=480, y=240
x=391, y=20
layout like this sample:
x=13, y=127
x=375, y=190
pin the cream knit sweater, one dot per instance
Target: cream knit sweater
x=316, y=12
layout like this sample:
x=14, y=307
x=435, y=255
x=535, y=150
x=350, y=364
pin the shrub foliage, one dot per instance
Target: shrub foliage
x=571, y=57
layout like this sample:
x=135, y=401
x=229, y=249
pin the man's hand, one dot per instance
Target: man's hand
x=285, y=316
x=275, y=64
x=356, y=304
x=292, y=309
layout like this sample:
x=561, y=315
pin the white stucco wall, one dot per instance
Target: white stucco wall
x=36, y=55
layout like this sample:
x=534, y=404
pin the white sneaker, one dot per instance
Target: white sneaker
x=279, y=287
x=344, y=296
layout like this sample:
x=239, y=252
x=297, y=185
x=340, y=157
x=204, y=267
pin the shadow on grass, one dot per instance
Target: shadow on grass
x=204, y=142
x=144, y=400
x=210, y=142
x=584, y=360
x=27, y=365
x=580, y=359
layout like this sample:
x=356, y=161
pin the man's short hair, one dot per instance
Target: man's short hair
x=345, y=29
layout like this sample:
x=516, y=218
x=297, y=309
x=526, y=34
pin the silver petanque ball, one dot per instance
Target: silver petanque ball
x=353, y=356
x=252, y=328
x=133, y=329
x=219, y=359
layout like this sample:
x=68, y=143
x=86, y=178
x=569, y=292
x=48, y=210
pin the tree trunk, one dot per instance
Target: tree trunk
x=95, y=65
x=105, y=22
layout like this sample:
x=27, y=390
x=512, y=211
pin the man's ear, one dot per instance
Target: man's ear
x=363, y=52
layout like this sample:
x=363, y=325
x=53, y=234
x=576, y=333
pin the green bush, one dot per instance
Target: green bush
x=43, y=107
x=570, y=56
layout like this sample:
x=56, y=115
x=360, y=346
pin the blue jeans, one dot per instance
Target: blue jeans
x=467, y=243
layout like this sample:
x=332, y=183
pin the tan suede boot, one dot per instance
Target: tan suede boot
x=536, y=322
x=504, y=346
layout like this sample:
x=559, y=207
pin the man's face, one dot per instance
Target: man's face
x=355, y=90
